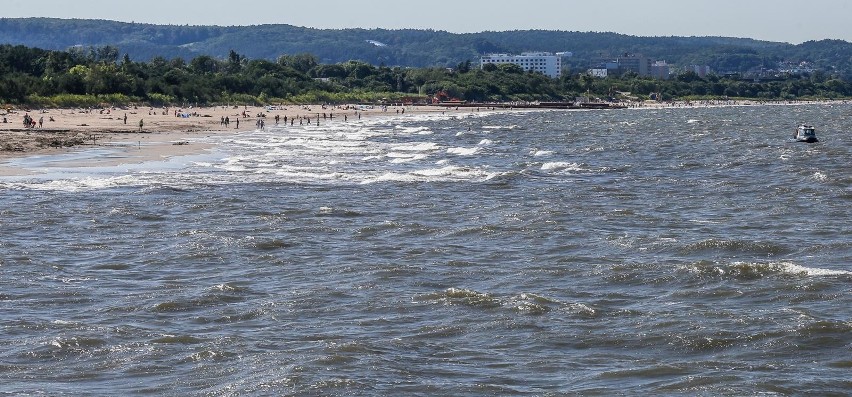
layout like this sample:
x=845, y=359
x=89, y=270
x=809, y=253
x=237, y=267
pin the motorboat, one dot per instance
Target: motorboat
x=806, y=133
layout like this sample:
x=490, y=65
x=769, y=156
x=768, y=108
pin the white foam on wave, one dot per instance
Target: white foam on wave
x=80, y=184
x=491, y=175
x=500, y=127
x=819, y=176
x=792, y=268
x=419, y=130
x=461, y=151
x=540, y=153
x=562, y=166
x=448, y=171
x=787, y=268
x=417, y=147
x=323, y=145
x=233, y=164
x=306, y=176
x=391, y=177
x=370, y=150
x=400, y=158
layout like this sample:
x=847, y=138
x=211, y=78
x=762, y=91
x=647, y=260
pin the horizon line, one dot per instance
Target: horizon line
x=133, y=22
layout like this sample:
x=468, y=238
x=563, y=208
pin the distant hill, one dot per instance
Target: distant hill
x=415, y=48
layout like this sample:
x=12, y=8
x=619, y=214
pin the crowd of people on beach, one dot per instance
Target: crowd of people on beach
x=306, y=115
x=30, y=122
x=309, y=117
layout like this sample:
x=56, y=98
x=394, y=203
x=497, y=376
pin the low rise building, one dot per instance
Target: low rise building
x=598, y=72
x=624, y=63
x=546, y=63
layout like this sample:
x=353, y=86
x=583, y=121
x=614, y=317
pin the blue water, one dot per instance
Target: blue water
x=634, y=252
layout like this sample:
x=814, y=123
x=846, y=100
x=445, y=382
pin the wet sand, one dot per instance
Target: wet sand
x=165, y=132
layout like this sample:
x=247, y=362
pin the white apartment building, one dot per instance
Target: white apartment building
x=546, y=63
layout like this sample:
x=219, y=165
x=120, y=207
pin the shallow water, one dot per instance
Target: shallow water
x=637, y=252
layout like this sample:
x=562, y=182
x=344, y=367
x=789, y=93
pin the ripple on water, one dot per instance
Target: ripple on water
x=566, y=256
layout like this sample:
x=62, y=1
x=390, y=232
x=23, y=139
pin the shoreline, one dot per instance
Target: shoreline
x=171, y=132
x=59, y=129
x=165, y=132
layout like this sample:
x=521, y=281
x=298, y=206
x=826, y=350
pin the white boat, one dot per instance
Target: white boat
x=806, y=133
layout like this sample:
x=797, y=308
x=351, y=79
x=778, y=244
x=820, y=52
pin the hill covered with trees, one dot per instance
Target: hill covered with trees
x=414, y=48
x=98, y=76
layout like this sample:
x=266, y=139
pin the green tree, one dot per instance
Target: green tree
x=300, y=62
x=510, y=68
x=203, y=64
x=235, y=63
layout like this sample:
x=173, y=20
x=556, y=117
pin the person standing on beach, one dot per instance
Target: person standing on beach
x=141, y=123
x=125, y=118
x=41, y=122
x=238, y=124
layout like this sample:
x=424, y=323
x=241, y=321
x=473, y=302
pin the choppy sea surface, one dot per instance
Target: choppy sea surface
x=630, y=252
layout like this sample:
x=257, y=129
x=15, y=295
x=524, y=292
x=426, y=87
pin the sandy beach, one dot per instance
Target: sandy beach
x=165, y=132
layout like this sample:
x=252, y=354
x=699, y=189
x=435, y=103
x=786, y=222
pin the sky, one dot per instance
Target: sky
x=791, y=21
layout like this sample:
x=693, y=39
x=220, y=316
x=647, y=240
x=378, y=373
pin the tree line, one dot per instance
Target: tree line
x=99, y=75
x=418, y=47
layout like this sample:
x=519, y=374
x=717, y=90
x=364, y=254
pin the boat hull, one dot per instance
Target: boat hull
x=806, y=134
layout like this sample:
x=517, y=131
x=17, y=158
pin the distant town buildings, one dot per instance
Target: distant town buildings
x=546, y=63
x=660, y=70
x=604, y=65
x=616, y=66
x=608, y=66
x=598, y=72
x=701, y=70
x=796, y=68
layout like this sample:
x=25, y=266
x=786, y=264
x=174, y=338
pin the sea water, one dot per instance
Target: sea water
x=629, y=252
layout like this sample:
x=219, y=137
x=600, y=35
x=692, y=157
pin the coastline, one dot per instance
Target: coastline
x=170, y=132
x=165, y=132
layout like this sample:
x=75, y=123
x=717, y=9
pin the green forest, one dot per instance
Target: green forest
x=417, y=48
x=98, y=76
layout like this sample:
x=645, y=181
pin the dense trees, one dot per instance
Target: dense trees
x=405, y=48
x=99, y=76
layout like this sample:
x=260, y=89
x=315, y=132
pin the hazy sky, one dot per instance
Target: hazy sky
x=792, y=21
